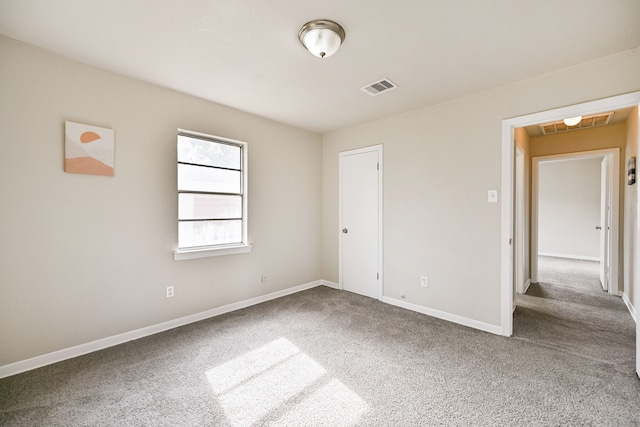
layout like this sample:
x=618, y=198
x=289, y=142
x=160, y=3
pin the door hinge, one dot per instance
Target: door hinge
x=377, y=166
x=377, y=276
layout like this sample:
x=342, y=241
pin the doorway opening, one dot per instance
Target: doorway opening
x=508, y=186
x=508, y=253
x=593, y=231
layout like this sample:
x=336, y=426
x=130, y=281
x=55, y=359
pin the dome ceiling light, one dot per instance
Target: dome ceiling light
x=572, y=121
x=321, y=37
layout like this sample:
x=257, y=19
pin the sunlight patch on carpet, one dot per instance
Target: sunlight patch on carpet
x=267, y=379
x=238, y=370
x=334, y=404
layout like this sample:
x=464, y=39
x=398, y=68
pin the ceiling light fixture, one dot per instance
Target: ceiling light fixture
x=572, y=121
x=321, y=37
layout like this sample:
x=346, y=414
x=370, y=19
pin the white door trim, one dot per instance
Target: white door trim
x=377, y=148
x=613, y=159
x=605, y=194
x=520, y=233
x=507, y=185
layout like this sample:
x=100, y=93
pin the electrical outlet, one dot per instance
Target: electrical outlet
x=265, y=278
x=169, y=291
x=424, y=281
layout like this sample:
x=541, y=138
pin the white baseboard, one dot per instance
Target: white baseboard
x=445, y=316
x=630, y=306
x=331, y=284
x=79, y=350
x=569, y=256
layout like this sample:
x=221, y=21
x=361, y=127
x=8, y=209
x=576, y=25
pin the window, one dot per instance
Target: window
x=212, y=190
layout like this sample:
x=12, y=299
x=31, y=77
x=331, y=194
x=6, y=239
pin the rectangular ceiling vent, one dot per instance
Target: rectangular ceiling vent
x=377, y=88
x=586, y=122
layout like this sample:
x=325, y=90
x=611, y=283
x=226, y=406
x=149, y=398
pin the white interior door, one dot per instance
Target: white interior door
x=604, y=224
x=360, y=221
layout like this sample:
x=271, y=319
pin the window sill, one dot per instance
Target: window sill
x=179, y=255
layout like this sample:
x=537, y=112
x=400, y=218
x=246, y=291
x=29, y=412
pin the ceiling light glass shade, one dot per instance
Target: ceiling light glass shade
x=321, y=37
x=572, y=121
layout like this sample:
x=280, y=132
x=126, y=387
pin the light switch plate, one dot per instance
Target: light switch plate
x=493, y=196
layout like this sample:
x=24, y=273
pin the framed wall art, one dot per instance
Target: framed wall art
x=88, y=149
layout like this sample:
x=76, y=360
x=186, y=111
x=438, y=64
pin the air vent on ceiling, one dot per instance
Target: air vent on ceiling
x=586, y=122
x=377, y=88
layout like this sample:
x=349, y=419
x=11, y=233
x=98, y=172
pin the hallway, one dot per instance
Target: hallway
x=569, y=312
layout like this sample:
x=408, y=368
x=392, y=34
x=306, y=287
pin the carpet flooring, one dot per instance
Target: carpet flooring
x=329, y=358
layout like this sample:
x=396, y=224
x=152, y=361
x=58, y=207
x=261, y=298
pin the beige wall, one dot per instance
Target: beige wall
x=630, y=214
x=521, y=138
x=439, y=163
x=597, y=138
x=87, y=257
x=437, y=221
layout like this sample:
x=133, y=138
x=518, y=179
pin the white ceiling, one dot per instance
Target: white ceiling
x=245, y=53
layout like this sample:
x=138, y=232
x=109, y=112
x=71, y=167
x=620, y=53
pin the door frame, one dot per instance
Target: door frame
x=605, y=244
x=379, y=149
x=520, y=266
x=507, y=185
x=612, y=155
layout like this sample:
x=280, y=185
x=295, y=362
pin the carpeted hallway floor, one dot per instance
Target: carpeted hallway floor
x=568, y=311
x=325, y=357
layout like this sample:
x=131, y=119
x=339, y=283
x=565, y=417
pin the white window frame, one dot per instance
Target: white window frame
x=219, y=250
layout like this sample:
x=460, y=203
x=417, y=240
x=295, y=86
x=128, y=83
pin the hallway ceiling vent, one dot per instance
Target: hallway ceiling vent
x=377, y=88
x=586, y=122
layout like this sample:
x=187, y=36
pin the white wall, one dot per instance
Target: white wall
x=87, y=257
x=569, y=208
x=439, y=163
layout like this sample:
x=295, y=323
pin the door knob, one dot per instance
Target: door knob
x=345, y=231
x=598, y=227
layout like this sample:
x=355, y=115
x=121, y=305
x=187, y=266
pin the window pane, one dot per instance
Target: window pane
x=202, y=152
x=209, y=206
x=199, y=178
x=206, y=233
